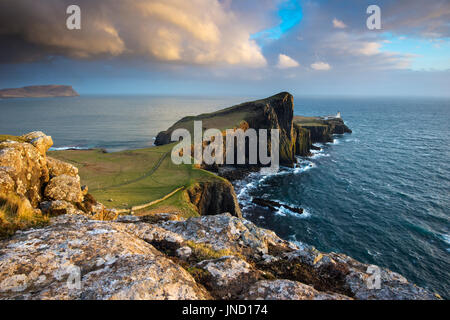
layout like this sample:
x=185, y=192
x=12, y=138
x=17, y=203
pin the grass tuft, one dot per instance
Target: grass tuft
x=17, y=214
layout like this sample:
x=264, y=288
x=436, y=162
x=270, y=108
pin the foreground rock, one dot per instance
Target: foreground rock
x=107, y=262
x=50, y=185
x=287, y=290
x=211, y=257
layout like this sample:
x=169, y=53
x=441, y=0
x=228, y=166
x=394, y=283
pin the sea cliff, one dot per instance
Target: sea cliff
x=47, y=215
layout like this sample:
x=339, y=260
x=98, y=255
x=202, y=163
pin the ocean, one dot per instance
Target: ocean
x=379, y=195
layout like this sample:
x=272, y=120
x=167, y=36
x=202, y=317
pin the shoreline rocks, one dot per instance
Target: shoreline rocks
x=210, y=257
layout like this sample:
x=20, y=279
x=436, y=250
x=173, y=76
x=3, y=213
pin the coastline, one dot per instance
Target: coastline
x=207, y=192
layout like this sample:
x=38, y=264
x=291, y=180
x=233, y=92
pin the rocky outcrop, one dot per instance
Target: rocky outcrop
x=314, y=130
x=76, y=258
x=39, y=140
x=287, y=290
x=275, y=112
x=303, y=141
x=210, y=257
x=337, y=126
x=26, y=167
x=48, y=184
x=275, y=206
x=57, y=167
x=64, y=187
x=39, y=92
x=214, y=197
x=227, y=276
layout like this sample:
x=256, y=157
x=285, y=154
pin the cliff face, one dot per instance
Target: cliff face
x=303, y=141
x=309, y=130
x=275, y=112
x=211, y=198
x=39, y=92
x=297, y=134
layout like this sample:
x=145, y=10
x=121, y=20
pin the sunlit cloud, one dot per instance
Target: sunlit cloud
x=321, y=66
x=339, y=24
x=190, y=32
x=286, y=62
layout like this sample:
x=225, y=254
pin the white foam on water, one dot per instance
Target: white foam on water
x=319, y=155
x=68, y=148
x=446, y=238
x=282, y=211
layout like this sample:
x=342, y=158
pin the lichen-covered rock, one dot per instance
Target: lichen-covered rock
x=91, y=205
x=287, y=290
x=39, y=140
x=184, y=252
x=151, y=233
x=229, y=275
x=26, y=167
x=6, y=182
x=64, y=187
x=58, y=207
x=226, y=232
x=361, y=281
x=77, y=258
x=57, y=167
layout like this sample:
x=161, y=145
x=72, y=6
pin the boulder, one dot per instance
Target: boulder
x=64, y=187
x=228, y=276
x=226, y=232
x=77, y=258
x=39, y=140
x=58, y=207
x=26, y=167
x=287, y=290
x=184, y=252
x=57, y=167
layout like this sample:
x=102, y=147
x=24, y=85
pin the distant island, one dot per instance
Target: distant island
x=44, y=91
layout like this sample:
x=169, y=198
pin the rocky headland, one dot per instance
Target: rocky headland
x=297, y=134
x=44, y=91
x=60, y=243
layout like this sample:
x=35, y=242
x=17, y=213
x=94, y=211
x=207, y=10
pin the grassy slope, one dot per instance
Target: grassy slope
x=135, y=177
x=308, y=121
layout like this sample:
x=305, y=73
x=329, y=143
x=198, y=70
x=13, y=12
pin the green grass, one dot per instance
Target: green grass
x=131, y=178
x=4, y=137
x=308, y=121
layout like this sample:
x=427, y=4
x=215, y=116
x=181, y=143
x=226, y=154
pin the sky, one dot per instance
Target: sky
x=228, y=47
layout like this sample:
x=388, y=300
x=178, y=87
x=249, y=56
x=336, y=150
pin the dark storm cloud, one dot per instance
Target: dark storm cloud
x=178, y=31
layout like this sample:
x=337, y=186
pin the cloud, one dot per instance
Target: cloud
x=201, y=32
x=369, y=48
x=321, y=66
x=285, y=62
x=339, y=24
